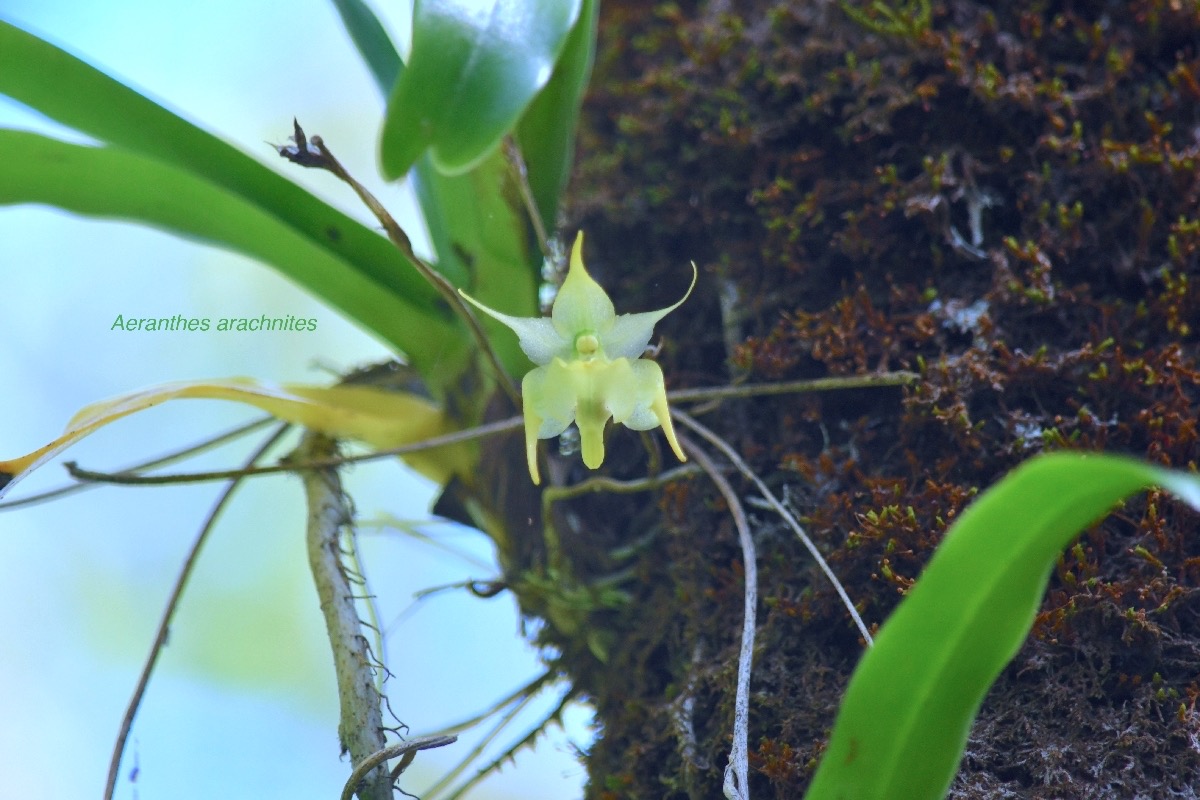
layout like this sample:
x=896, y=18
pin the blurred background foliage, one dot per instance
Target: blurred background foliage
x=245, y=682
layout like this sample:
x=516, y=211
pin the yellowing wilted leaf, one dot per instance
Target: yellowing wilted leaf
x=379, y=418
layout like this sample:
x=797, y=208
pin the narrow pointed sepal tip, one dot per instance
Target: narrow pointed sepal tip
x=533, y=424
x=669, y=431
x=531, y=455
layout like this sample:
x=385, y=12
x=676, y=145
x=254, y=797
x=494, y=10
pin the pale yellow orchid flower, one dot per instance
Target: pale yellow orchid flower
x=589, y=367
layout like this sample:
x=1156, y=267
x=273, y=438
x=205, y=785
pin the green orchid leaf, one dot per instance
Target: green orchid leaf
x=478, y=230
x=546, y=132
x=383, y=60
x=113, y=182
x=372, y=42
x=62, y=87
x=381, y=418
x=474, y=68
x=903, y=723
x=72, y=92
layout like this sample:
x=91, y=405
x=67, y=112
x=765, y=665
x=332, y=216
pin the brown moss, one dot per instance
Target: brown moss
x=1004, y=200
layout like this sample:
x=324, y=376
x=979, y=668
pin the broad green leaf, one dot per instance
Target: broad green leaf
x=904, y=721
x=385, y=65
x=546, y=133
x=475, y=221
x=70, y=91
x=113, y=182
x=377, y=417
x=474, y=68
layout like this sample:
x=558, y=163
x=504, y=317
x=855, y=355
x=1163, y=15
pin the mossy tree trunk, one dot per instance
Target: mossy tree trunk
x=1003, y=200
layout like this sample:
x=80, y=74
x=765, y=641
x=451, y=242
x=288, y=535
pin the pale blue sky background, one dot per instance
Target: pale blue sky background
x=243, y=703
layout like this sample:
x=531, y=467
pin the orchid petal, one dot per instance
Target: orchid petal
x=648, y=385
x=617, y=388
x=631, y=333
x=548, y=407
x=550, y=393
x=652, y=409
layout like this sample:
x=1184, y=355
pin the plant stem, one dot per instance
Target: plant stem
x=742, y=467
x=836, y=382
x=360, y=730
x=312, y=152
x=736, y=784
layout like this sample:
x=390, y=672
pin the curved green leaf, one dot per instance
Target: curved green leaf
x=904, y=721
x=383, y=60
x=476, y=225
x=112, y=182
x=70, y=91
x=372, y=42
x=474, y=68
x=547, y=131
